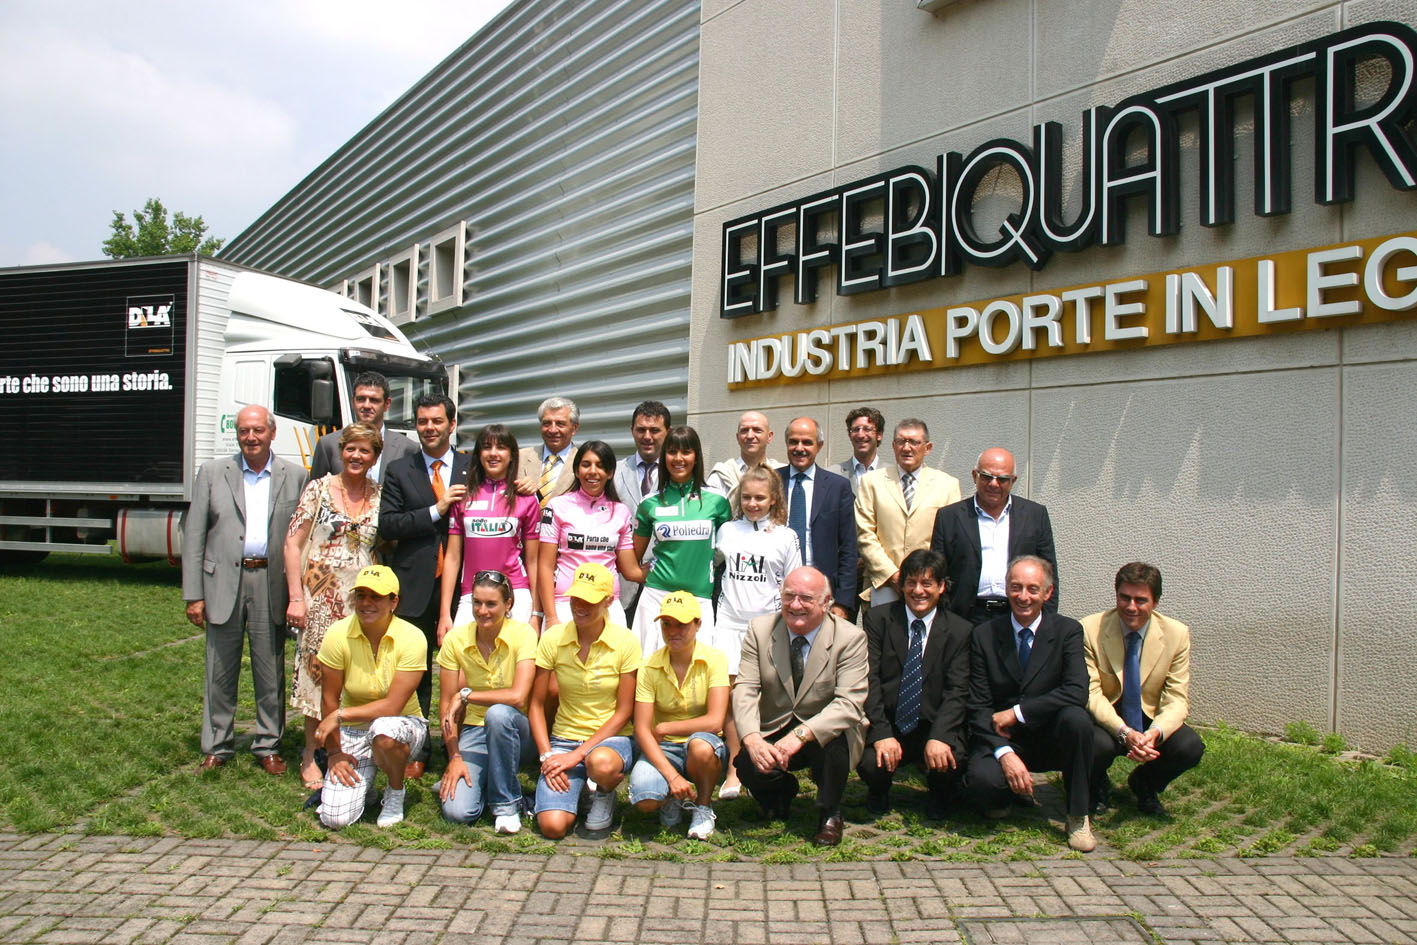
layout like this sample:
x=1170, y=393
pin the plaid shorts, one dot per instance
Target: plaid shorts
x=342, y=804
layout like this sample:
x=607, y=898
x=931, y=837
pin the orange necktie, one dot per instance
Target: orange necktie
x=437, y=480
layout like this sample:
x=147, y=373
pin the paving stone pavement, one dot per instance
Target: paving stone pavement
x=63, y=888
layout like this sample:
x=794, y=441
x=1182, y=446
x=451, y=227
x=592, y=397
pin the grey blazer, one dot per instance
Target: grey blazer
x=215, y=527
x=326, y=459
x=832, y=700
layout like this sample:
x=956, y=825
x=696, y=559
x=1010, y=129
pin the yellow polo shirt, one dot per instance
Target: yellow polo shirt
x=587, y=689
x=659, y=685
x=515, y=642
x=368, y=675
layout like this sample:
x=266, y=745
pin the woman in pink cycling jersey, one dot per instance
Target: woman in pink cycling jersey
x=587, y=524
x=491, y=529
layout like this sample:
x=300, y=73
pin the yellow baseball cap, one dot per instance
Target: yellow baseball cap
x=591, y=583
x=681, y=606
x=379, y=579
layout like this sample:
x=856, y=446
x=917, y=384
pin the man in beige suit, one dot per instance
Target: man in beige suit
x=545, y=470
x=1139, y=680
x=800, y=701
x=895, y=510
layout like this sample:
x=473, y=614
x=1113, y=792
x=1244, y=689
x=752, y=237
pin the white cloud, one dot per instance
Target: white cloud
x=39, y=253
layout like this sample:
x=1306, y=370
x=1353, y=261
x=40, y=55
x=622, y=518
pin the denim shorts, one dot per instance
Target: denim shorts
x=569, y=800
x=647, y=784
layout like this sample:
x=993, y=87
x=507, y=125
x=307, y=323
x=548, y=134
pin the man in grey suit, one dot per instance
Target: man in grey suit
x=233, y=580
x=546, y=471
x=638, y=476
x=800, y=701
x=864, y=426
x=371, y=402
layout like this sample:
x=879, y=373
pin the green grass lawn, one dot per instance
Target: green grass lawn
x=102, y=692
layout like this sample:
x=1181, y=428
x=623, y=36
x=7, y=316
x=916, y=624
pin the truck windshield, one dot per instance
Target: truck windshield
x=406, y=390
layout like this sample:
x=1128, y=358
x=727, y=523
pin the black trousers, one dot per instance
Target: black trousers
x=427, y=621
x=1179, y=754
x=830, y=764
x=942, y=784
x=1064, y=744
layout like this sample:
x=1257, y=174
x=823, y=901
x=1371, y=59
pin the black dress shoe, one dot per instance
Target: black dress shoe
x=829, y=828
x=937, y=807
x=1148, y=800
x=1100, y=800
x=878, y=802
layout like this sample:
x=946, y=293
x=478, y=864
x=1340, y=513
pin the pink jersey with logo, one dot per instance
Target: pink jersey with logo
x=492, y=538
x=586, y=530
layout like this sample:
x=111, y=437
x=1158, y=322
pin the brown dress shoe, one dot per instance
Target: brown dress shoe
x=829, y=829
x=272, y=764
x=211, y=761
x=413, y=770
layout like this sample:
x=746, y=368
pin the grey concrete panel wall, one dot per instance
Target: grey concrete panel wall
x=1263, y=475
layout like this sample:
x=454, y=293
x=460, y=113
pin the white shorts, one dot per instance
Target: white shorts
x=728, y=637
x=343, y=804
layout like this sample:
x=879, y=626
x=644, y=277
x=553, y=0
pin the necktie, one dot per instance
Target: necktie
x=797, y=512
x=907, y=489
x=1131, y=683
x=646, y=478
x=798, y=663
x=912, y=678
x=436, y=478
x=548, y=475
x=1025, y=647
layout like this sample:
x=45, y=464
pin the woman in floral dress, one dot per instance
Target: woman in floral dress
x=331, y=539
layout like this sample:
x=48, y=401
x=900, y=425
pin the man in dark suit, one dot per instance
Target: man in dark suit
x=233, y=580
x=371, y=402
x=822, y=511
x=799, y=702
x=418, y=490
x=919, y=685
x=982, y=534
x=1028, y=702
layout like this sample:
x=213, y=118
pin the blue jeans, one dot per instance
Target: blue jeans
x=547, y=799
x=492, y=752
x=647, y=784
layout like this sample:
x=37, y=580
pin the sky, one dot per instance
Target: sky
x=216, y=108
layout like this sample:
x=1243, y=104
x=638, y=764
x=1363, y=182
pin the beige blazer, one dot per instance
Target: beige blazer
x=832, y=700
x=1165, y=669
x=529, y=466
x=885, y=531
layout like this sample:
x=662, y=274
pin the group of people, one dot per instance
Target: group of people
x=692, y=629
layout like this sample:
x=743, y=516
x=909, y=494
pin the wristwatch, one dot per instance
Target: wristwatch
x=802, y=733
x=1122, y=734
x=464, y=693
x=541, y=758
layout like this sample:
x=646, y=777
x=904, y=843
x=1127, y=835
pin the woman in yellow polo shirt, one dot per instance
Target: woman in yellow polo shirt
x=594, y=662
x=485, y=727
x=681, y=702
x=369, y=717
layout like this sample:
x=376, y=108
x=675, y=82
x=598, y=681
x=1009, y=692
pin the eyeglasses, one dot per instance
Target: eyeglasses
x=491, y=577
x=990, y=477
x=902, y=441
x=861, y=428
x=801, y=599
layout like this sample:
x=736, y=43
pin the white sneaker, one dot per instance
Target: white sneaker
x=701, y=822
x=671, y=812
x=1080, y=836
x=392, y=811
x=507, y=823
x=602, y=810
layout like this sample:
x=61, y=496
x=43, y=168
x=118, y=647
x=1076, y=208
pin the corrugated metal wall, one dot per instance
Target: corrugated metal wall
x=563, y=135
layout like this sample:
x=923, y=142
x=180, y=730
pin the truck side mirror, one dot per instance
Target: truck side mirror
x=322, y=401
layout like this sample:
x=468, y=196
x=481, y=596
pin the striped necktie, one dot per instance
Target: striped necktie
x=548, y=476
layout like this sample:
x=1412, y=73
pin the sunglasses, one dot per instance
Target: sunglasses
x=491, y=577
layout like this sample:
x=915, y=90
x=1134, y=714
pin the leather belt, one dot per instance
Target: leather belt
x=994, y=605
x=252, y=564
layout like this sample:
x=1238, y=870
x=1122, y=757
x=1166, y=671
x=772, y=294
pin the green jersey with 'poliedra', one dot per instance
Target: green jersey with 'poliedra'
x=683, y=527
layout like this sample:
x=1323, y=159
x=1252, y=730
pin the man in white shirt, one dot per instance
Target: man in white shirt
x=754, y=434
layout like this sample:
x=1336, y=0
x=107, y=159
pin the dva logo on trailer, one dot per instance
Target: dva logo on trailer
x=150, y=316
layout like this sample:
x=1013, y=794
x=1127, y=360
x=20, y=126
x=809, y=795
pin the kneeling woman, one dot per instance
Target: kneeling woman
x=484, y=726
x=370, y=720
x=594, y=663
x=681, y=701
